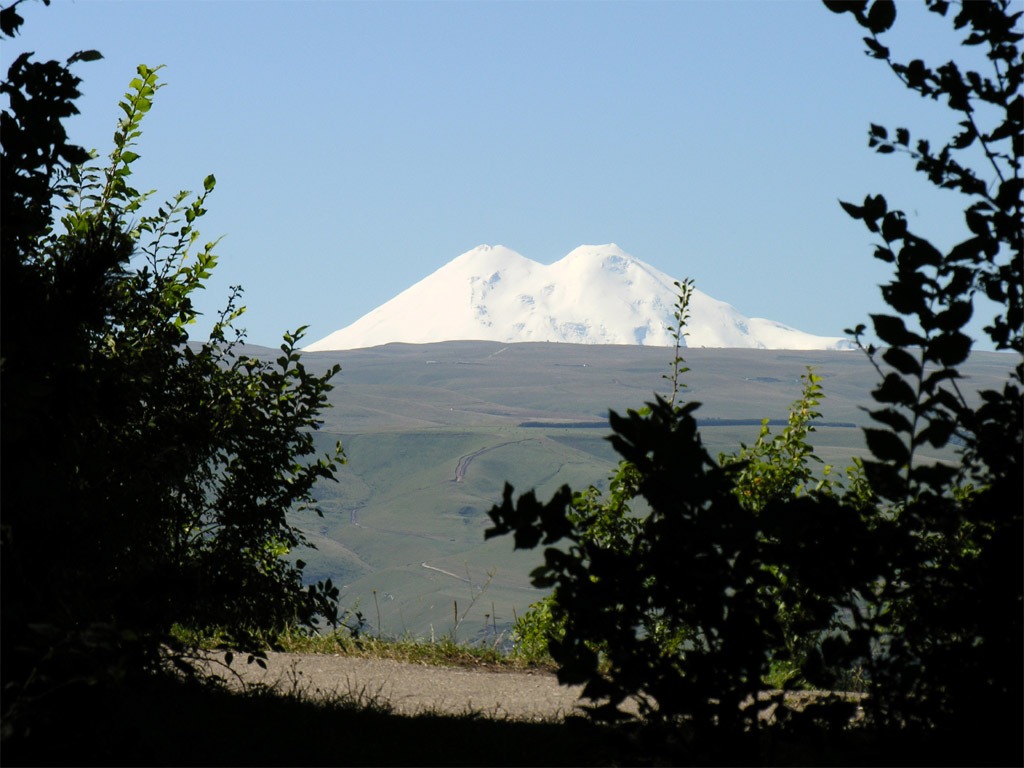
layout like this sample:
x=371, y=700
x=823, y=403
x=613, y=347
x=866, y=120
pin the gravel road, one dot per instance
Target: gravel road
x=412, y=688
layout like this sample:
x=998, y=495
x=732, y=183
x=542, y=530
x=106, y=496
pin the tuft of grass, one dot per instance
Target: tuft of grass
x=444, y=651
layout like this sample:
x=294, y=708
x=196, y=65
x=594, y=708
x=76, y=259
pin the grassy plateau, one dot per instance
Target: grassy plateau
x=433, y=432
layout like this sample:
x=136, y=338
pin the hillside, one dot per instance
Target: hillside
x=433, y=432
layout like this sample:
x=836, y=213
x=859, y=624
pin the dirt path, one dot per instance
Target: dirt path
x=410, y=689
x=413, y=688
x=446, y=573
x=465, y=461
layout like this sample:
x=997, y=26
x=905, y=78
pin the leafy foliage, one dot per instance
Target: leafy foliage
x=681, y=314
x=147, y=477
x=907, y=575
x=681, y=582
x=773, y=470
x=954, y=634
x=534, y=630
x=679, y=588
x=778, y=470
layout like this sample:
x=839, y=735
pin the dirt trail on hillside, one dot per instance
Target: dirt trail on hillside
x=411, y=688
x=465, y=461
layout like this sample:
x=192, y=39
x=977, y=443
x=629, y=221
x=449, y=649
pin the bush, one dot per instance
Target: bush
x=908, y=576
x=147, y=476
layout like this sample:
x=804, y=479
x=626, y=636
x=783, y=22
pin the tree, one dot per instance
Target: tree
x=911, y=575
x=955, y=584
x=147, y=477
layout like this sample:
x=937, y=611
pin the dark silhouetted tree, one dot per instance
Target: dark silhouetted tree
x=954, y=641
x=913, y=580
x=147, y=478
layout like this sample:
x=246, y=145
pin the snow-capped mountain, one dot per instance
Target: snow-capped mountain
x=597, y=294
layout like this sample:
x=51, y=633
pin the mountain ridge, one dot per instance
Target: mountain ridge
x=595, y=294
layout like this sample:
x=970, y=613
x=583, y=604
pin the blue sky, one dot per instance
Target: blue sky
x=360, y=146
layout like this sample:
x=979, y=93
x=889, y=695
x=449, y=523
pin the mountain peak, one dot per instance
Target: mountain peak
x=597, y=251
x=596, y=294
x=488, y=253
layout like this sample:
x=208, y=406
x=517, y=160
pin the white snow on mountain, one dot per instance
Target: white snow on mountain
x=597, y=294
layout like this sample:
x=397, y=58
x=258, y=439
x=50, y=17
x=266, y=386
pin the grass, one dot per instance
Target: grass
x=444, y=651
x=407, y=413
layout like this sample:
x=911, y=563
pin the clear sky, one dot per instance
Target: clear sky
x=359, y=146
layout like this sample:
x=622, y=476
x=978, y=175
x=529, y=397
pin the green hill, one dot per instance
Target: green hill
x=434, y=431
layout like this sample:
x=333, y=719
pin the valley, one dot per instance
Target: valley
x=434, y=431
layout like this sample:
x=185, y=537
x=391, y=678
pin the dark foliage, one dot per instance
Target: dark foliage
x=146, y=477
x=915, y=587
x=954, y=636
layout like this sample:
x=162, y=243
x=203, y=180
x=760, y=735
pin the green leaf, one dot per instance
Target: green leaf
x=209, y=182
